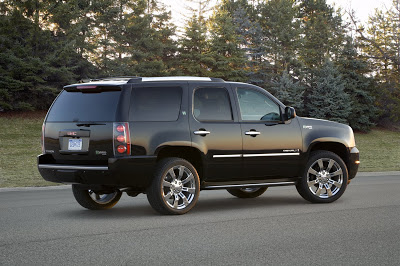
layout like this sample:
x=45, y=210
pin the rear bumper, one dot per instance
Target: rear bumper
x=133, y=171
x=354, y=162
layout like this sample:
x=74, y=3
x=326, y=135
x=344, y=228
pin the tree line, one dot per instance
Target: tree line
x=304, y=52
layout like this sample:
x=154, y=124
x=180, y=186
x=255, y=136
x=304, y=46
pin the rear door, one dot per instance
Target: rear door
x=215, y=130
x=79, y=125
x=271, y=146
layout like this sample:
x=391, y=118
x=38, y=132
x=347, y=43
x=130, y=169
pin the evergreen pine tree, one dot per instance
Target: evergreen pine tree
x=328, y=99
x=289, y=92
x=358, y=86
x=194, y=57
x=228, y=57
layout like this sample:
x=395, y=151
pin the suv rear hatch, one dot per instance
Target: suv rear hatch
x=79, y=126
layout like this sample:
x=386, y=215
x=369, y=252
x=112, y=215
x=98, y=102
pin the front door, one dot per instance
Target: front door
x=215, y=130
x=271, y=146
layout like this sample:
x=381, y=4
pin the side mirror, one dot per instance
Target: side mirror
x=290, y=113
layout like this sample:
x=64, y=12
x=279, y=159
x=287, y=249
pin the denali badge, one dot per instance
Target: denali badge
x=101, y=153
x=307, y=127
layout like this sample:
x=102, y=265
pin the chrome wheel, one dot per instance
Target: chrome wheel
x=249, y=189
x=178, y=187
x=92, y=200
x=102, y=198
x=325, y=178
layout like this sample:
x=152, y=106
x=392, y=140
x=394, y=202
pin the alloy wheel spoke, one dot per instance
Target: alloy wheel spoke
x=172, y=173
x=167, y=184
x=181, y=171
x=97, y=196
x=320, y=164
x=319, y=190
x=168, y=196
x=328, y=190
x=336, y=173
x=312, y=171
x=331, y=162
x=185, y=200
x=312, y=182
x=188, y=179
x=189, y=189
x=335, y=183
x=176, y=201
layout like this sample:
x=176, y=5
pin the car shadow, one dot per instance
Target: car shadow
x=204, y=206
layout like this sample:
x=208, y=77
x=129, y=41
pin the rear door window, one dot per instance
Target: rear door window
x=76, y=106
x=155, y=104
x=212, y=104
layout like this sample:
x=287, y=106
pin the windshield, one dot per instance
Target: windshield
x=76, y=106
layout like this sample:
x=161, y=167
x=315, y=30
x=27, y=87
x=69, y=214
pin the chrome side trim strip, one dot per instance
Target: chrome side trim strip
x=227, y=156
x=72, y=167
x=271, y=154
x=252, y=185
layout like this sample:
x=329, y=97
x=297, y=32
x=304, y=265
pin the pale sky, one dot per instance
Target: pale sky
x=362, y=8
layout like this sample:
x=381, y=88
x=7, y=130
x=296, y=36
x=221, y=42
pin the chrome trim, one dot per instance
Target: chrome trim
x=252, y=133
x=271, y=154
x=178, y=78
x=72, y=167
x=252, y=185
x=201, y=132
x=227, y=156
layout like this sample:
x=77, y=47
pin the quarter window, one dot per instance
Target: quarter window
x=155, y=104
x=212, y=104
x=256, y=106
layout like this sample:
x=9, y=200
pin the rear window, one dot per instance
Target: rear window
x=155, y=104
x=78, y=106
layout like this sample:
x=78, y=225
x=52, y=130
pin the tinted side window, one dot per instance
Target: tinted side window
x=155, y=104
x=255, y=106
x=212, y=104
x=82, y=106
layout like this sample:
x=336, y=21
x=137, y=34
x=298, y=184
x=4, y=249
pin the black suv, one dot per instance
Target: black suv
x=171, y=137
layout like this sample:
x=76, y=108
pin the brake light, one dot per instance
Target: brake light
x=86, y=87
x=121, y=139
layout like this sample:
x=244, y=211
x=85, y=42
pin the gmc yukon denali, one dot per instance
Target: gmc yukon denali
x=170, y=137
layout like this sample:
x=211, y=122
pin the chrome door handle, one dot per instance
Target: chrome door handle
x=252, y=133
x=201, y=132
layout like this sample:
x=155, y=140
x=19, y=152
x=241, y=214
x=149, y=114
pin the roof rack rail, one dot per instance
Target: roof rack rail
x=173, y=78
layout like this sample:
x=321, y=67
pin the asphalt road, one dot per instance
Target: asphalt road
x=47, y=227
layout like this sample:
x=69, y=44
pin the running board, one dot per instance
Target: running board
x=207, y=186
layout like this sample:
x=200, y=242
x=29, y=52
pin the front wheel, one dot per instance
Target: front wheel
x=247, y=192
x=324, y=179
x=95, y=200
x=175, y=187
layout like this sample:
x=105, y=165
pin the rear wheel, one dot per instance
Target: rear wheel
x=175, y=187
x=247, y=192
x=95, y=200
x=324, y=179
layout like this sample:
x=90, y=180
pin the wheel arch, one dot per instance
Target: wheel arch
x=192, y=155
x=336, y=147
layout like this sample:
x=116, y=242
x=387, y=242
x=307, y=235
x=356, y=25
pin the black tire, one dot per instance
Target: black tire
x=247, y=192
x=95, y=201
x=324, y=178
x=175, y=187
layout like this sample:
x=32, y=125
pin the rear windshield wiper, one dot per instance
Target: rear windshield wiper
x=88, y=124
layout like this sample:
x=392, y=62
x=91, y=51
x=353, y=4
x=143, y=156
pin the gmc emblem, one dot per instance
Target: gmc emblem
x=71, y=133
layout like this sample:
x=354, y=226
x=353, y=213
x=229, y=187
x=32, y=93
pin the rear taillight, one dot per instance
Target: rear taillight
x=121, y=139
x=42, y=140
